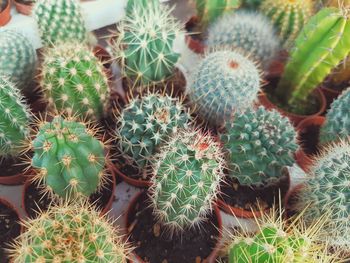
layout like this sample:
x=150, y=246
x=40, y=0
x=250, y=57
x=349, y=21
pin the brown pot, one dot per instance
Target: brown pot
x=213, y=254
x=194, y=44
x=131, y=181
x=330, y=94
x=5, y=15
x=17, y=179
x=23, y=8
x=303, y=160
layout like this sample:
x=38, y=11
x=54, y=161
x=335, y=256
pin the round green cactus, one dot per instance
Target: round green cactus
x=60, y=21
x=224, y=82
x=18, y=58
x=74, y=81
x=73, y=232
x=260, y=144
x=69, y=159
x=14, y=119
x=147, y=122
x=187, y=173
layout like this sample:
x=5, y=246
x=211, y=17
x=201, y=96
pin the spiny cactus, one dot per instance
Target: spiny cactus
x=337, y=3
x=18, y=58
x=142, y=3
x=73, y=232
x=260, y=144
x=74, y=81
x=341, y=73
x=187, y=173
x=224, y=82
x=288, y=17
x=145, y=44
x=247, y=32
x=59, y=21
x=68, y=158
x=14, y=119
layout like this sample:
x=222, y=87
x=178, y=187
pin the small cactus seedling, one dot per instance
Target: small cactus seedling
x=18, y=58
x=224, y=82
x=74, y=81
x=247, y=32
x=60, y=21
x=260, y=144
x=14, y=119
x=68, y=158
x=187, y=173
x=147, y=122
x=73, y=232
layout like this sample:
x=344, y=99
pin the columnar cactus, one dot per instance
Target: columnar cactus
x=14, y=119
x=18, y=58
x=248, y=32
x=68, y=159
x=145, y=123
x=74, y=81
x=288, y=17
x=187, y=173
x=73, y=232
x=224, y=82
x=260, y=144
x=60, y=21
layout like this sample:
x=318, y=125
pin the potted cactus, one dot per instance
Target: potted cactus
x=24, y=6
x=175, y=222
x=5, y=8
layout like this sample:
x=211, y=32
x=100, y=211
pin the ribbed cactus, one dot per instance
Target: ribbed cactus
x=288, y=17
x=143, y=4
x=144, y=47
x=260, y=144
x=337, y=3
x=72, y=232
x=224, y=82
x=247, y=32
x=341, y=74
x=321, y=46
x=18, y=58
x=74, y=81
x=187, y=173
x=14, y=119
x=68, y=159
x=60, y=21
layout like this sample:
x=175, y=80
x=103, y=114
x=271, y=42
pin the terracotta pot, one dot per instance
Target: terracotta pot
x=303, y=160
x=194, y=44
x=16, y=179
x=131, y=181
x=330, y=95
x=213, y=254
x=5, y=15
x=295, y=118
x=23, y=8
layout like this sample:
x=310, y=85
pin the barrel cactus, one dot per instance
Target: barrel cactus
x=68, y=159
x=73, y=232
x=59, y=21
x=14, y=119
x=74, y=81
x=18, y=58
x=224, y=82
x=146, y=122
x=187, y=173
x=247, y=32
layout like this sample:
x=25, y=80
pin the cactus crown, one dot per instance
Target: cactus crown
x=73, y=232
x=69, y=159
x=187, y=173
x=74, y=81
x=224, y=82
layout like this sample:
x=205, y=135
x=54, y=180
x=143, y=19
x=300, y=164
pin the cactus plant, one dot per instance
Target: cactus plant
x=18, y=58
x=337, y=3
x=341, y=74
x=59, y=21
x=14, y=119
x=247, y=32
x=187, y=173
x=73, y=232
x=74, y=81
x=288, y=17
x=68, y=159
x=225, y=81
x=260, y=143
x=143, y=3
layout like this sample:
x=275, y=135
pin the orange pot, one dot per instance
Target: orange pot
x=5, y=15
x=23, y=8
x=131, y=181
x=194, y=44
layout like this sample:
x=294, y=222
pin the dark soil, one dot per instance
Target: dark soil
x=339, y=87
x=153, y=244
x=25, y=2
x=11, y=167
x=309, y=139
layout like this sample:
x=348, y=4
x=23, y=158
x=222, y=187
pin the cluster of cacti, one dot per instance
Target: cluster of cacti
x=73, y=232
x=224, y=82
x=247, y=32
x=260, y=143
x=74, y=81
x=288, y=17
x=187, y=173
x=18, y=58
x=147, y=122
x=68, y=159
x=60, y=21
x=340, y=74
